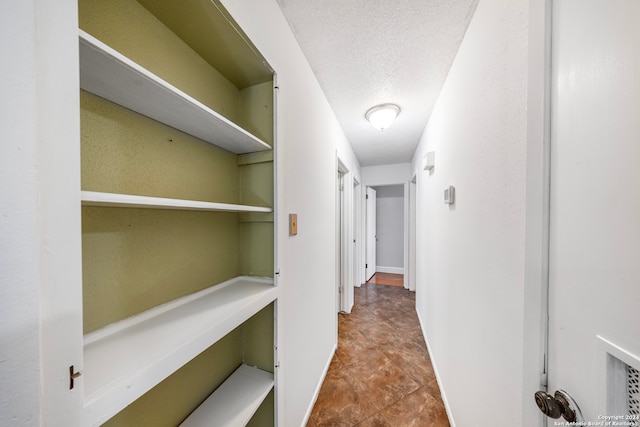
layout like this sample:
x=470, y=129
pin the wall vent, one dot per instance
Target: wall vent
x=621, y=380
x=633, y=390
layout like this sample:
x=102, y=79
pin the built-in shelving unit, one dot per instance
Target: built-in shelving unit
x=110, y=75
x=140, y=327
x=124, y=360
x=235, y=401
x=95, y=198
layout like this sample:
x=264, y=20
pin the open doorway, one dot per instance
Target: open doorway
x=385, y=262
x=346, y=187
x=370, y=259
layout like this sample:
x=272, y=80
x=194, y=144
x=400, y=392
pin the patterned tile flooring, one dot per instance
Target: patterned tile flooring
x=381, y=374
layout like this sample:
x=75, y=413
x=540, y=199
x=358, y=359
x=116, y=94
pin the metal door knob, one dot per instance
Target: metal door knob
x=548, y=404
x=566, y=403
x=560, y=404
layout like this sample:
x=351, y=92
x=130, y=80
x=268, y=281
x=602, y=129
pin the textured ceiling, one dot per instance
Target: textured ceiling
x=369, y=52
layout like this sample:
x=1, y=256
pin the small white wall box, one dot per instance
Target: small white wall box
x=450, y=195
x=429, y=160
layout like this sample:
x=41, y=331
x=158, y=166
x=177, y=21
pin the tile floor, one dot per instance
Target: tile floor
x=381, y=374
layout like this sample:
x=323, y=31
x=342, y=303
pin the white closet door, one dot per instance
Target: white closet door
x=595, y=202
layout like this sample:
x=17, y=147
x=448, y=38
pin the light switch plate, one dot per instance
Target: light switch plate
x=429, y=160
x=293, y=224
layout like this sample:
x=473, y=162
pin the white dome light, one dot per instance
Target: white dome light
x=382, y=116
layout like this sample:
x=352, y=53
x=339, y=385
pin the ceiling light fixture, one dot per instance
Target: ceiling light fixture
x=382, y=116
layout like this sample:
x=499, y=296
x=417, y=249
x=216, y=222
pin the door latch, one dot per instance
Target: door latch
x=72, y=377
x=561, y=404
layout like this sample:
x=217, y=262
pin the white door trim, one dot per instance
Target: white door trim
x=357, y=234
x=406, y=214
x=411, y=244
x=59, y=212
x=370, y=259
x=536, y=285
x=345, y=232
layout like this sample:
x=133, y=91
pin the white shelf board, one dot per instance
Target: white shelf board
x=110, y=75
x=235, y=401
x=124, y=360
x=94, y=198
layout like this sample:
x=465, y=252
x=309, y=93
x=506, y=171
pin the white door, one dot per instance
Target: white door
x=370, y=264
x=594, y=280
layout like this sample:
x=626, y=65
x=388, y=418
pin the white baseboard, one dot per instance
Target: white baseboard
x=393, y=270
x=318, y=387
x=435, y=370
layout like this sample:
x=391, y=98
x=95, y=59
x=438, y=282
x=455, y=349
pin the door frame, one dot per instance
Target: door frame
x=410, y=259
x=536, y=283
x=44, y=289
x=345, y=261
x=367, y=239
x=356, y=272
x=406, y=240
x=339, y=237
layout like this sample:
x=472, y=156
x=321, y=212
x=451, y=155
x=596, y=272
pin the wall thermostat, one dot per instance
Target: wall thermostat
x=449, y=195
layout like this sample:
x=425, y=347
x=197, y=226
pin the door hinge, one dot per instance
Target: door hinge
x=544, y=379
x=366, y=266
x=72, y=377
x=367, y=197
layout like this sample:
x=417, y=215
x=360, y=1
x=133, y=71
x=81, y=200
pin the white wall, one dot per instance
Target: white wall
x=386, y=174
x=310, y=138
x=390, y=229
x=471, y=255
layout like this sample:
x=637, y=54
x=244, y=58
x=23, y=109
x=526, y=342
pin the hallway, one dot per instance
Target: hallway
x=381, y=374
